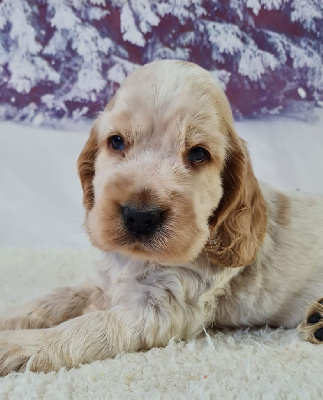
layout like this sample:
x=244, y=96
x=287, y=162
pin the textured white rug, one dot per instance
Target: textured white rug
x=261, y=364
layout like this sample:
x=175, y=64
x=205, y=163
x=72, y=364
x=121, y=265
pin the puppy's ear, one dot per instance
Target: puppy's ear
x=86, y=170
x=239, y=223
x=86, y=162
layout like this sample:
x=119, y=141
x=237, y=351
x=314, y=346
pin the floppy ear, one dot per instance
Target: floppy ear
x=86, y=161
x=239, y=223
x=86, y=170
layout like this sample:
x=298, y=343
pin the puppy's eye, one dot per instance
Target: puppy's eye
x=117, y=142
x=197, y=154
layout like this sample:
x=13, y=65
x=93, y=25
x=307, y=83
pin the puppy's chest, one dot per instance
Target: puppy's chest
x=128, y=281
x=208, y=289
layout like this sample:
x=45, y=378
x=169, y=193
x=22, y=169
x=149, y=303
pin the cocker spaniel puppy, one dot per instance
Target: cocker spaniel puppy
x=190, y=238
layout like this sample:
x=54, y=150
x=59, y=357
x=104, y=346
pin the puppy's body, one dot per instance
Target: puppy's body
x=273, y=290
x=190, y=239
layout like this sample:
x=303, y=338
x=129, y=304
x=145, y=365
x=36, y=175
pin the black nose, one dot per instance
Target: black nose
x=141, y=219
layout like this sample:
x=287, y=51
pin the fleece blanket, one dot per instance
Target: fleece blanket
x=262, y=364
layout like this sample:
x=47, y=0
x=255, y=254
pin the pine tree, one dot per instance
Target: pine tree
x=65, y=58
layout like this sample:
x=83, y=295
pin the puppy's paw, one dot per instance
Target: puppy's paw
x=24, y=348
x=312, y=326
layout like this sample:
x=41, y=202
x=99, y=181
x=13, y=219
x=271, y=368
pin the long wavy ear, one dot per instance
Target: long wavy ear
x=86, y=169
x=239, y=223
x=86, y=162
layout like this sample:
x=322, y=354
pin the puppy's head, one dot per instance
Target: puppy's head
x=164, y=175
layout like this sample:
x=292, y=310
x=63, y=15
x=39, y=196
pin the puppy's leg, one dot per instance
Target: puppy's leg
x=139, y=324
x=52, y=309
x=312, y=326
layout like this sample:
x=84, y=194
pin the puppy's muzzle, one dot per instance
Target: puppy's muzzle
x=141, y=219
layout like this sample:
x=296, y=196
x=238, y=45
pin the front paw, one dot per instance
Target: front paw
x=312, y=326
x=22, y=348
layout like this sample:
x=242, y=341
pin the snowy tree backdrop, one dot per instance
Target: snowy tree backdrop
x=65, y=58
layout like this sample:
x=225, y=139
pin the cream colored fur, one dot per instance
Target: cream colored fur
x=182, y=280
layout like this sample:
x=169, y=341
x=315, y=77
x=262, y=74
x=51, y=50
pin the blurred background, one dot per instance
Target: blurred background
x=65, y=58
x=62, y=60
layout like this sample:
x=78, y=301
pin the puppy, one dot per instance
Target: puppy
x=190, y=238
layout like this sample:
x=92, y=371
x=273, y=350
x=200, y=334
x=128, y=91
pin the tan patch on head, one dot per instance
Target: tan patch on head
x=185, y=63
x=283, y=209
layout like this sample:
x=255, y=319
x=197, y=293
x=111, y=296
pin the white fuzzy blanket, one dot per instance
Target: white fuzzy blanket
x=261, y=364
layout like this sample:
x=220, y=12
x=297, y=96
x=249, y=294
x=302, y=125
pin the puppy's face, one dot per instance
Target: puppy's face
x=151, y=170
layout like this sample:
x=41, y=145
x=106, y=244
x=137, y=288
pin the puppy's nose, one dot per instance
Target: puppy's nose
x=141, y=219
